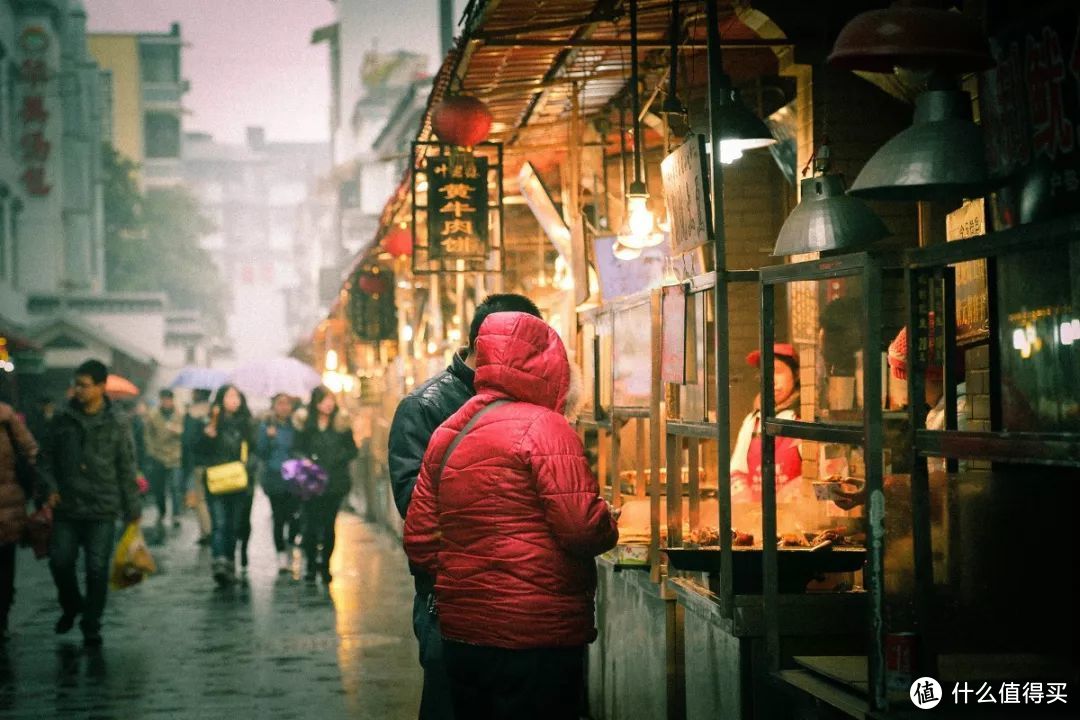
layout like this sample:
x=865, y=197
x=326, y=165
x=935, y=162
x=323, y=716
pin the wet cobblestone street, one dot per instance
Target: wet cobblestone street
x=271, y=647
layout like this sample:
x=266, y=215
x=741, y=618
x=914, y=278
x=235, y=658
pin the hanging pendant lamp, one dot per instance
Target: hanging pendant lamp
x=639, y=229
x=941, y=157
x=742, y=129
x=827, y=219
x=624, y=252
x=911, y=37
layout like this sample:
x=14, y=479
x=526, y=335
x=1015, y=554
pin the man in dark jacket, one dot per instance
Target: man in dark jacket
x=87, y=464
x=417, y=417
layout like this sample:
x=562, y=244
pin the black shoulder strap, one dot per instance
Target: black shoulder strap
x=465, y=431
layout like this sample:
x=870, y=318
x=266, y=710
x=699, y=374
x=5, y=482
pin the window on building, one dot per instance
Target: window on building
x=162, y=135
x=160, y=63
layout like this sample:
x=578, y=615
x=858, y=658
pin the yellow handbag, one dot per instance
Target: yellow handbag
x=231, y=477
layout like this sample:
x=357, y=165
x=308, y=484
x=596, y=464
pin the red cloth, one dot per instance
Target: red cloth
x=511, y=528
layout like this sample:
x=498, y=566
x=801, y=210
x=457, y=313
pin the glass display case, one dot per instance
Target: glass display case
x=823, y=455
x=996, y=455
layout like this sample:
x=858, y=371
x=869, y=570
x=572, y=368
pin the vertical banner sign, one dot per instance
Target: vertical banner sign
x=34, y=77
x=673, y=345
x=1029, y=106
x=686, y=192
x=457, y=208
x=972, y=310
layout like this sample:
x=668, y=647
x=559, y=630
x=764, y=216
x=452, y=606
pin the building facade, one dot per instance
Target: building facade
x=264, y=199
x=145, y=88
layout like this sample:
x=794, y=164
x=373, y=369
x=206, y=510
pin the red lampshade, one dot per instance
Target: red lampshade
x=911, y=37
x=399, y=242
x=461, y=120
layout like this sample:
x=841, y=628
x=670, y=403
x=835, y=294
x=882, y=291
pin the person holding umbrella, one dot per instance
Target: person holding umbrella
x=326, y=439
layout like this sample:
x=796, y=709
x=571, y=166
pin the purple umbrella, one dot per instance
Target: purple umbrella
x=266, y=378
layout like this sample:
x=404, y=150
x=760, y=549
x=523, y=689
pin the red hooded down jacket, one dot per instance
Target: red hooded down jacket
x=511, y=528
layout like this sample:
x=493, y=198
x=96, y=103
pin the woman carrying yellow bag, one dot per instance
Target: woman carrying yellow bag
x=224, y=444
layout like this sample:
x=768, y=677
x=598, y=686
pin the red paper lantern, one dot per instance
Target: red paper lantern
x=371, y=284
x=399, y=242
x=461, y=120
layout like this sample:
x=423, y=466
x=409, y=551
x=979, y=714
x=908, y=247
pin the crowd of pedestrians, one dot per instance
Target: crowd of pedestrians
x=82, y=465
x=502, y=514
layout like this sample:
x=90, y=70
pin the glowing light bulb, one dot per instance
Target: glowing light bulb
x=331, y=360
x=729, y=153
x=641, y=219
x=407, y=333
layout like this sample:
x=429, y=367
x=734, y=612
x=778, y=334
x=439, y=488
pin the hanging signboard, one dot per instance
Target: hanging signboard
x=673, y=344
x=34, y=77
x=972, y=310
x=686, y=192
x=1029, y=106
x=457, y=209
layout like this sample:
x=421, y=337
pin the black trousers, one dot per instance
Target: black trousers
x=489, y=683
x=7, y=582
x=320, y=514
x=285, y=508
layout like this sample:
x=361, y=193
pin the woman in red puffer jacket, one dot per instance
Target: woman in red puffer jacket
x=510, y=530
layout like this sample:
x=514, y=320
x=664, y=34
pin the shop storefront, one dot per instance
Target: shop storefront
x=831, y=420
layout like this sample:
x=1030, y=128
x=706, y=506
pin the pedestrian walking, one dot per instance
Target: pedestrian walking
x=194, y=467
x=15, y=442
x=136, y=413
x=163, y=433
x=508, y=517
x=273, y=447
x=326, y=438
x=416, y=418
x=87, y=463
x=227, y=438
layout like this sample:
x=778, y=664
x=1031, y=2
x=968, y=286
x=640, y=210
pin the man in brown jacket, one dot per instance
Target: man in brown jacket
x=15, y=440
x=164, y=428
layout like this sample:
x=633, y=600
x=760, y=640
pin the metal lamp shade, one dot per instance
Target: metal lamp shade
x=940, y=157
x=911, y=37
x=741, y=127
x=827, y=219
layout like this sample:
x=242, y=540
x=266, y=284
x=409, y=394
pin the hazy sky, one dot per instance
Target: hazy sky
x=250, y=62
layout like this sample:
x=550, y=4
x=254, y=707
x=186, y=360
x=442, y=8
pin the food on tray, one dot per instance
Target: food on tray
x=741, y=539
x=705, y=535
x=794, y=539
x=710, y=536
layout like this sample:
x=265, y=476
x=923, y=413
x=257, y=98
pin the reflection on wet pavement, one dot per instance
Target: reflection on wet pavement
x=270, y=647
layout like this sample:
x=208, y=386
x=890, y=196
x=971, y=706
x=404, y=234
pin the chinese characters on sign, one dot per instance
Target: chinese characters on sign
x=1030, y=110
x=457, y=208
x=686, y=193
x=34, y=76
x=972, y=309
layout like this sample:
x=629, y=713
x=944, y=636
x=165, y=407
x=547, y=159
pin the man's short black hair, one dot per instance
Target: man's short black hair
x=165, y=393
x=502, y=302
x=95, y=370
x=200, y=395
